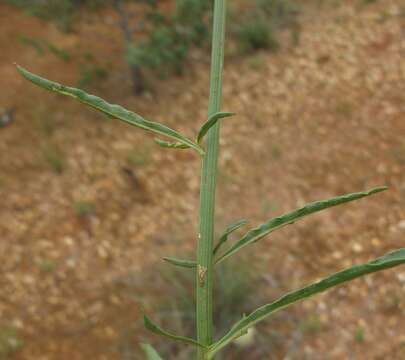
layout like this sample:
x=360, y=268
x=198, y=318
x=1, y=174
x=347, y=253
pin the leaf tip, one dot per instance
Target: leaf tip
x=396, y=256
x=378, y=189
x=26, y=74
x=19, y=68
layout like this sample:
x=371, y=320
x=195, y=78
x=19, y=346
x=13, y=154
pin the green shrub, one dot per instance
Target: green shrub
x=59, y=52
x=90, y=74
x=279, y=12
x=256, y=33
x=257, y=29
x=191, y=20
x=40, y=46
x=29, y=41
x=64, y=13
x=163, y=52
x=170, y=38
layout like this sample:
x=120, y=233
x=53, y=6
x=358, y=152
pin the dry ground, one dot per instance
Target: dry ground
x=320, y=119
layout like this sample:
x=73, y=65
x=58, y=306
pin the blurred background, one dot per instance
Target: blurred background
x=89, y=206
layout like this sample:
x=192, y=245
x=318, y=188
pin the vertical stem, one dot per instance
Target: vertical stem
x=208, y=185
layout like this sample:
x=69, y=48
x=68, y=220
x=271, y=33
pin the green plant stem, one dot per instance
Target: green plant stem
x=204, y=281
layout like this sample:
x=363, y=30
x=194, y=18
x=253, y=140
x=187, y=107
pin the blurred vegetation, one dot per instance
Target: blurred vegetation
x=55, y=158
x=360, y=334
x=31, y=42
x=235, y=297
x=159, y=43
x=46, y=265
x=41, y=47
x=170, y=37
x=89, y=74
x=9, y=342
x=257, y=28
x=63, y=12
x=139, y=155
x=84, y=208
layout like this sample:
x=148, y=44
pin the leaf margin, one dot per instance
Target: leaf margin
x=212, y=120
x=156, y=329
x=228, y=231
x=116, y=111
x=387, y=261
x=189, y=264
x=273, y=224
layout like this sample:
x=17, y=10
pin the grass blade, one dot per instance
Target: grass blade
x=224, y=237
x=190, y=264
x=151, y=326
x=211, y=122
x=150, y=352
x=387, y=261
x=288, y=218
x=115, y=111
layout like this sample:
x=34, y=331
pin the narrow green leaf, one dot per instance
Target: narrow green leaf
x=181, y=263
x=387, y=261
x=211, y=122
x=115, y=111
x=150, y=352
x=288, y=218
x=224, y=237
x=151, y=326
x=171, y=145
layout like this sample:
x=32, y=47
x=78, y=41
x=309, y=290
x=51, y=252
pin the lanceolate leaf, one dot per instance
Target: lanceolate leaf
x=115, y=111
x=224, y=237
x=159, y=331
x=171, y=145
x=385, y=262
x=274, y=224
x=150, y=352
x=210, y=123
x=180, y=262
